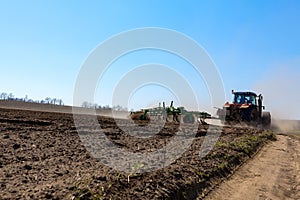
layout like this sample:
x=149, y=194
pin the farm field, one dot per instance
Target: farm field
x=42, y=157
x=150, y=100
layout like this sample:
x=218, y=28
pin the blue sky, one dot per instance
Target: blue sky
x=253, y=44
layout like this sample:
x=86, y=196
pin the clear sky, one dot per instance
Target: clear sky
x=254, y=44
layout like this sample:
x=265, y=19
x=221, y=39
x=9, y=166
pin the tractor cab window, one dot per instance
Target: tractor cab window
x=252, y=100
x=247, y=99
x=243, y=98
x=239, y=99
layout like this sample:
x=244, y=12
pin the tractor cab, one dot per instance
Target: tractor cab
x=244, y=98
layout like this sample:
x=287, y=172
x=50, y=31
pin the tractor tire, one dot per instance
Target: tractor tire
x=266, y=120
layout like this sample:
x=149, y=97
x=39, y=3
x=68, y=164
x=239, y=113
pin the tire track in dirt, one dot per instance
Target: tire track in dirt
x=274, y=173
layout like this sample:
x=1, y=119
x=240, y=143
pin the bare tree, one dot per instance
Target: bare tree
x=3, y=95
x=106, y=107
x=10, y=96
x=48, y=100
x=85, y=104
x=26, y=98
x=60, y=102
x=119, y=108
x=90, y=105
x=53, y=101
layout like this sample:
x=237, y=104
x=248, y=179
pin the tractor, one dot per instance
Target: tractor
x=246, y=107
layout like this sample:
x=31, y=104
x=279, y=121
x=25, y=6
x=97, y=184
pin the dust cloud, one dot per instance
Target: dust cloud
x=286, y=126
x=280, y=89
x=281, y=95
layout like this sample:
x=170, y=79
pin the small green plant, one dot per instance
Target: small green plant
x=222, y=165
x=135, y=168
x=82, y=190
x=118, y=176
x=227, y=156
x=221, y=144
x=203, y=176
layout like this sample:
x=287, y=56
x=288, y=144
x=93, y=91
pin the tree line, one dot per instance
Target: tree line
x=47, y=100
x=86, y=104
x=56, y=101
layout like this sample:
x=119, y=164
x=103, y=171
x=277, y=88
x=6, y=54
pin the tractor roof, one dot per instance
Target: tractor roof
x=245, y=93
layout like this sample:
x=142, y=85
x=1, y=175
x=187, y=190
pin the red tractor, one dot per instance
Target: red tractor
x=246, y=108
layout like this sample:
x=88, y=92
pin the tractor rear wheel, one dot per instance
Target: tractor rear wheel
x=266, y=119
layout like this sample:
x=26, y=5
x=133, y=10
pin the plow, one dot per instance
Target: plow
x=246, y=108
x=170, y=114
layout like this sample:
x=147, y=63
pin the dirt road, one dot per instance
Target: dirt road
x=274, y=173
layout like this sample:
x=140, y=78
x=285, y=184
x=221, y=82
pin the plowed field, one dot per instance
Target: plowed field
x=42, y=157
